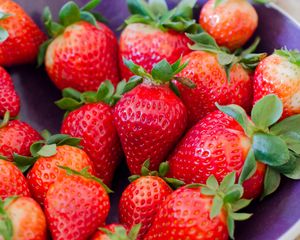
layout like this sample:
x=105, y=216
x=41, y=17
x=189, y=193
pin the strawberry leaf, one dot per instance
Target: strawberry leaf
x=158, y=7
x=6, y=226
x=23, y=162
x=140, y=7
x=240, y=204
x=271, y=182
x=294, y=171
x=5, y=119
x=293, y=56
x=134, y=231
x=233, y=193
x=42, y=52
x=212, y=183
x=228, y=181
x=69, y=13
x=267, y=111
x=204, y=42
x=230, y=226
x=216, y=207
x=88, y=17
x=249, y=167
x=162, y=71
x=218, y=2
x=3, y=34
x=90, y=5
x=240, y=216
x=4, y=15
x=185, y=8
x=47, y=150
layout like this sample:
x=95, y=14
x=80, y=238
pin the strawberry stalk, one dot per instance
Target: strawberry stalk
x=226, y=195
x=6, y=226
x=162, y=172
x=44, y=148
x=85, y=174
x=157, y=14
x=276, y=144
x=248, y=59
x=3, y=33
x=120, y=233
x=69, y=14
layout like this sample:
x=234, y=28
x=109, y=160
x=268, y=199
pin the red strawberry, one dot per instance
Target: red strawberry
x=143, y=197
x=93, y=122
x=47, y=155
x=82, y=52
x=9, y=99
x=154, y=33
x=230, y=22
x=75, y=205
x=25, y=217
x=12, y=181
x=219, y=77
x=200, y=213
x=20, y=37
x=16, y=138
x=150, y=119
x=280, y=74
x=219, y=144
x=116, y=232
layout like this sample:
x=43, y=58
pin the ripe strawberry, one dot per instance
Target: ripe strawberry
x=12, y=181
x=20, y=37
x=200, y=213
x=82, y=52
x=230, y=22
x=154, y=33
x=117, y=232
x=219, y=77
x=22, y=219
x=75, y=205
x=92, y=120
x=280, y=74
x=16, y=138
x=47, y=155
x=143, y=197
x=219, y=144
x=9, y=99
x=150, y=119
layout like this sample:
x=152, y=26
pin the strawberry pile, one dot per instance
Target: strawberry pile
x=204, y=126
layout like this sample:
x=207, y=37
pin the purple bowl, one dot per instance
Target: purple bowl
x=272, y=217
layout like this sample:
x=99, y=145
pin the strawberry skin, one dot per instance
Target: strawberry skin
x=146, y=45
x=275, y=74
x=150, y=119
x=94, y=124
x=28, y=219
x=217, y=145
x=17, y=137
x=185, y=215
x=82, y=57
x=13, y=183
x=212, y=85
x=141, y=201
x=24, y=36
x=9, y=99
x=45, y=171
x=75, y=207
x=99, y=235
x=231, y=23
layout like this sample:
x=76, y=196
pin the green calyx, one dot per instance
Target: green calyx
x=106, y=93
x=157, y=14
x=162, y=172
x=44, y=148
x=69, y=14
x=293, y=56
x=120, y=233
x=3, y=33
x=6, y=226
x=218, y=2
x=162, y=72
x=226, y=196
x=276, y=144
x=249, y=60
x=85, y=174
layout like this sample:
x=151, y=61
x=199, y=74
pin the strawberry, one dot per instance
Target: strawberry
x=117, y=232
x=258, y=149
x=200, y=211
x=47, y=154
x=15, y=138
x=280, y=74
x=230, y=22
x=12, y=181
x=9, y=99
x=75, y=205
x=82, y=52
x=150, y=119
x=22, y=219
x=92, y=120
x=153, y=33
x=219, y=77
x=20, y=37
x=143, y=197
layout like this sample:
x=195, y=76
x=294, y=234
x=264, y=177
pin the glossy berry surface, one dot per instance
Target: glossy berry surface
x=94, y=124
x=150, y=120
